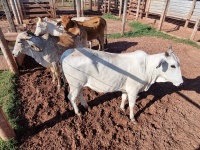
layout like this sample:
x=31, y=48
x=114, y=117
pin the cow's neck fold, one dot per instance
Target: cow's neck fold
x=151, y=71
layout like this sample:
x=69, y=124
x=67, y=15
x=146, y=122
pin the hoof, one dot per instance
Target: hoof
x=86, y=106
x=122, y=108
x=58, y=87
x=134, y=121
x=89, y=108
x=79, y=114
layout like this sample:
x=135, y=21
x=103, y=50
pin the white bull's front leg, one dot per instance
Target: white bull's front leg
x=131, y=99
x=124, y=97
x=73, y=94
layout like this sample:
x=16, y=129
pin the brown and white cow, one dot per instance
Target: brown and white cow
x=94, y=27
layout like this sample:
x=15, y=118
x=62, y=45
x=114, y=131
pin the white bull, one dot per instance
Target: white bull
x=130, y=73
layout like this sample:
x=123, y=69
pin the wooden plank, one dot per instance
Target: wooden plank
x=37, y=10
x=6, y=131
x=11, y=36
x=38, y=1
x=38, y=15
x=36, y=5
x=7, y=54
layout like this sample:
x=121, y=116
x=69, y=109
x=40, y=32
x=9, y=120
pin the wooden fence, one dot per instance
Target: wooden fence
x=38, y=8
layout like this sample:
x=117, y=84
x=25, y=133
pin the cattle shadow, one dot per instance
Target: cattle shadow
x=29, y=65
x=117, y=47
x=31, y=131
x=159, y=90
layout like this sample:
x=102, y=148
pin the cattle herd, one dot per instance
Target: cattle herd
x=63, y=43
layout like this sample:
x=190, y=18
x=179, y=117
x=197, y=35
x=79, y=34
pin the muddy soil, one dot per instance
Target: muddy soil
x=168, y=116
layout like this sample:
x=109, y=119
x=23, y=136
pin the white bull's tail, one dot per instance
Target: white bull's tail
x=64, y=55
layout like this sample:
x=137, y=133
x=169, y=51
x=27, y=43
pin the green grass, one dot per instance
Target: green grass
x=110, y=16
x=140, y=30
x=9, y=105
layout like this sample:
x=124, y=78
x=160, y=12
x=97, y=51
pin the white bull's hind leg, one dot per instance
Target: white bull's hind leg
x=83, y=102
x=131, y=100
x=90, y=44
x=53, y=73
x=56, y=73
x=73, y=94
x=124, y=97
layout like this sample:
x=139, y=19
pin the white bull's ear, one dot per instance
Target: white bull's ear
x=40, y=19
x=160, y=63
x=169, y=51
x=36, y=48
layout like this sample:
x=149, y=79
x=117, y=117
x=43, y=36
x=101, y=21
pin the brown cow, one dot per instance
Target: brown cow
x=94, y=27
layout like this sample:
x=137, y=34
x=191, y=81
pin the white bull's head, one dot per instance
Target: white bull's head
x=41, y=27
x=170, y=69
x=24, y=43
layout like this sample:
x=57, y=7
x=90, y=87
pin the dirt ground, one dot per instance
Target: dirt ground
x=168, y=116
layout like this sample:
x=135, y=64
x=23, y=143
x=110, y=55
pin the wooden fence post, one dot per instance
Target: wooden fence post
x=104, y=8
x=90, y=5
x=163, y=15
x=8, y=15
x=124, y=16
x=95, y=3
x=7, y=54
x=195, y=29
x=74, y=4
x=78, y=8
x=138, y=10
x=6, y=131
x=82, y=7
x=21, y=9
x=108, y=6
x=147, y=8
x=190, y=13
x=14, y=11
x=120, y=8
x=18, y=12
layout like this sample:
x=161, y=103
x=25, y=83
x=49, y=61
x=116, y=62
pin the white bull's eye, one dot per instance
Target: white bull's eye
x=173, y=66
